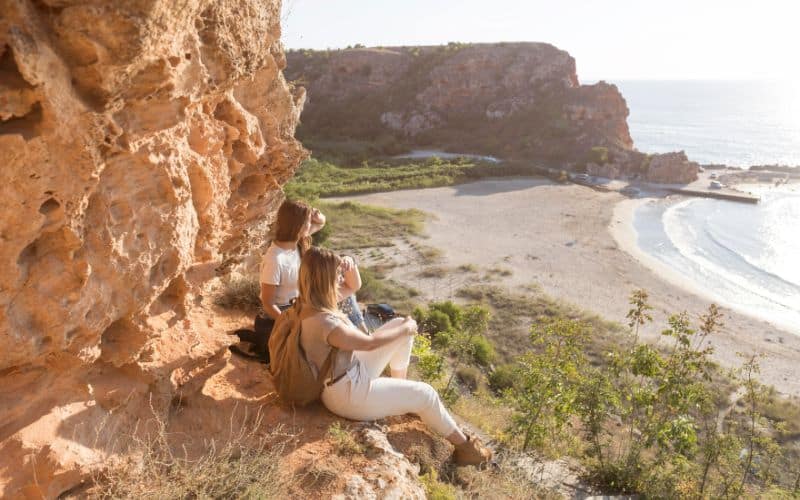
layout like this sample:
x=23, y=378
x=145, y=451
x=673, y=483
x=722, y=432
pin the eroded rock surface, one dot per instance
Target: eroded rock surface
x=517, y=101
x=143, y=146
x=503, y=99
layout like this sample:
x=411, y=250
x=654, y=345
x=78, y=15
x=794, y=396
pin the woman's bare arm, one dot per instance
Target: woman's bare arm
x=348, y=338
x=268, y=301
x=352, y=279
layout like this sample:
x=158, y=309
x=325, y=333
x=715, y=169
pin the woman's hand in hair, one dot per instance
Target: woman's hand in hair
x=317, y=221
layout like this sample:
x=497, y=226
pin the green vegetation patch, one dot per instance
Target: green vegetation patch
x=318, y=179
x=376, y=287
x=321, y=179
x=513, y=312
x=354, y=225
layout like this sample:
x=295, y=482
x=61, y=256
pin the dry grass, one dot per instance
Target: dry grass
x=353, y=225
x=485, y=412
x=427, y=255
x=242, y=293
x=344, y=441
x=437, y=272
x=501, y=271
x=376, y=287
x=503, y=482
x=244, y=466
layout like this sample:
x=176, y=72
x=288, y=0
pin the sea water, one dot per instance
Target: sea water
x=736, y=123
x=743, y=256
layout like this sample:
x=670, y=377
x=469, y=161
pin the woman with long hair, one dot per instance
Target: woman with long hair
x=294, y=225
x=291, y=236
x=355, y=388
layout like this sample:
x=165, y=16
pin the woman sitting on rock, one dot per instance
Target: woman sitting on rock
x=355, y=389
x=291, y=237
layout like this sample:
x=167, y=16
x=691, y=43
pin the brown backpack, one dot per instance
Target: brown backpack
x=292, y=373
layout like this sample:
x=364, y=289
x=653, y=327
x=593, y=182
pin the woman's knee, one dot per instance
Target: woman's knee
x=430, y=396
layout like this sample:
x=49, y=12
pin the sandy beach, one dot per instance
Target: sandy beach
x=578, y=244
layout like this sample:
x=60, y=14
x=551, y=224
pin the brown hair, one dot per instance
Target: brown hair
x=318, y=279
x=292, y=216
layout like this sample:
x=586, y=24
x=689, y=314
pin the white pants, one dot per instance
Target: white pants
x=363, y=394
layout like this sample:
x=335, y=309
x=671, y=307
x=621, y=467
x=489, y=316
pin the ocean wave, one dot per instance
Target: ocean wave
x=726, y=273
x=747, y=261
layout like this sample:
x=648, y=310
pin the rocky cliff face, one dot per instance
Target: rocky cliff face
x=143, y=145
x=513, y=100
x=507, y=99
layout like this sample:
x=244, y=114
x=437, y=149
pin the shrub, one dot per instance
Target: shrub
x=435, y=489
x=429, y=363
x=469, y=377
x=344, y=442
x=599, y=155
x=450, y=309
x=503, y=377
x=435, y=322
x=241, y=293
x=482, y=350
x=433, y=272
x=544, y=399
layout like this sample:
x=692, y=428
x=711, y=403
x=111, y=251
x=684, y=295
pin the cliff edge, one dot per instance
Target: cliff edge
x=519, y=101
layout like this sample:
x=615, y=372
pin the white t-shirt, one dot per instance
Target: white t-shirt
x=281, y=267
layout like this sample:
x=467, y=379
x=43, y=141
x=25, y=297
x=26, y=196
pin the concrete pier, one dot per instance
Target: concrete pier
x=722, y=194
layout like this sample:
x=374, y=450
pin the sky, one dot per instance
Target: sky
x=610, y=39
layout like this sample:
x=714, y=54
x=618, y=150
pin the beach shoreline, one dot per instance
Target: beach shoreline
x=578, y=245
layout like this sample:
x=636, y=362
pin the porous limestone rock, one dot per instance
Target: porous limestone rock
x=143, y=146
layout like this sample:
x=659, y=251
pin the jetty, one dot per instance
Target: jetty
x=722, y=194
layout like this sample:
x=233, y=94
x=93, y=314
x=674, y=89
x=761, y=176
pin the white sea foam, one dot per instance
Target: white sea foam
x=745, y=256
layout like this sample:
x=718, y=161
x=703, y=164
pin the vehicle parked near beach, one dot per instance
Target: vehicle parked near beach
x=715, y=185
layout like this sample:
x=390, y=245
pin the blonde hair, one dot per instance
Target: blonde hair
x=317, y=282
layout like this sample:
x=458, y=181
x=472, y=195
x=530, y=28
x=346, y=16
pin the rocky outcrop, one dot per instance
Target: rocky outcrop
x=672, y=168
x=517, y=101
x=143, y=146
x=667, y=168
x=505, y=99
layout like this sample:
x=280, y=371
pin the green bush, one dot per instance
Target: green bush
x=599, y=155
x=482, y=350
x=503, y=377
x=435, y=322
x=469, y=377
x=429, y=363
x=450, y=309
